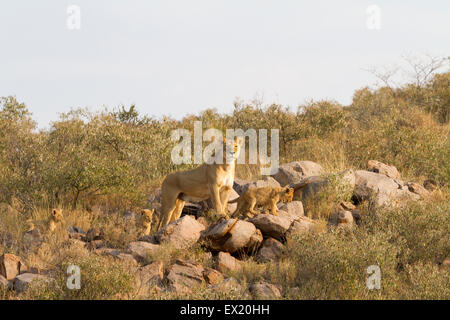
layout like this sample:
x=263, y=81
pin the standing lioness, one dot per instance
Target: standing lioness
x=213, y=181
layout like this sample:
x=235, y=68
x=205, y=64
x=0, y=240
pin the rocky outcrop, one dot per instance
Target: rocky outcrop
x=23, y=281
x=271, y=249
x=265, y=291
x=225, y=262
x=181, y=233
x=379, y=167
x=382, y=189
x=141, y=249
x=293, y=172
x=232, y=235
x=272, y=226
x=11, y=265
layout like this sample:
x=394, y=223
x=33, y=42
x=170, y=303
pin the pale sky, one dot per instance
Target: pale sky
x=175, y=57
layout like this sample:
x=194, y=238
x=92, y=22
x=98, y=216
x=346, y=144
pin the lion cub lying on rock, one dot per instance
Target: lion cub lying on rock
x=267, y=197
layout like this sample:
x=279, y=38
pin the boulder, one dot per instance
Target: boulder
x=240, y=185
x=382, y=189
x=417, y=189
x=304, y=224
x=265, y=291
x=294, y=172
x=294, y=208
x=309, y=187
x=225, y=262
x=152, y=274
x=232, y=206
x=5, y=284
x=379, y=167
x=181, y=233
x=23, y=281
x=11, y=265
x=266, y=182
x=184, y=276
x=271, y=249
x=141, y=249
x=228, y=285
x=212, y=276
x=272, y=226
x=232, y=235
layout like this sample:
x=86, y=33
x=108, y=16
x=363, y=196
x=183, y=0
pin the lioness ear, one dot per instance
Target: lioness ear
x=54, y=212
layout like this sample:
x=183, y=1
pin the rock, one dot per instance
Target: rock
x=23, y=281
x=345, y=219
x=379, y=167
x=294, y=172
x=92, y=235
x=265, y=291
x=266, y=182
x=117, y=254
x=294, y=208
x=5, y=284
x=226, y=262
x=76, y=244
x=271, y=249
x=417, y=189
x=232, y=235
x=228, y=285
x=232, y=206
x=95, y=244
x=240, y=185
x=75, y=229
x=203, y=221
x=212, y=276
x=141, y=249
x=382, y=189
x=181, y=233
x=152, y=274
x=184, y=276
x=304, y=224
x=307, y=188
x=272, y=226
x=11, y=265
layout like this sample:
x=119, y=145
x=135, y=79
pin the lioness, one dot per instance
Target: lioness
x=213, y=180
x=265, y=196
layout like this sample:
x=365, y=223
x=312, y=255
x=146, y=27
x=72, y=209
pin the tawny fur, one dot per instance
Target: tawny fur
x=145, y=220
x=268, y=197
x=213, y=181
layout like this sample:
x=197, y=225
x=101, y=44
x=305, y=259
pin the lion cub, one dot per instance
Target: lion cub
x=145, y=220
x=267, y=197
x=54, y=218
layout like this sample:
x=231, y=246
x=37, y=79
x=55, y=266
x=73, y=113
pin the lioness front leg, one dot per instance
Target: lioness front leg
x=215, y=197
x=224, y=197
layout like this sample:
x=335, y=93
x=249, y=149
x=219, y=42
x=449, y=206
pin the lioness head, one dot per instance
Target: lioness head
x=288, y=194
x=233, y=148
